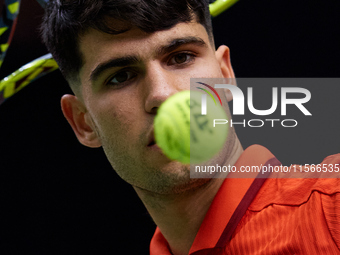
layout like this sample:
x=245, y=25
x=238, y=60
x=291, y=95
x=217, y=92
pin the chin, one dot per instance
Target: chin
x=174, y=178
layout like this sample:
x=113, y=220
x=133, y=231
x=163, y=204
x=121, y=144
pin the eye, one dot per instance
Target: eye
x=122, y=77
x=182, y=58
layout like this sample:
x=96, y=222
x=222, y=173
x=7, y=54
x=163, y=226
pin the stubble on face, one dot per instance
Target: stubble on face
x=171, y=177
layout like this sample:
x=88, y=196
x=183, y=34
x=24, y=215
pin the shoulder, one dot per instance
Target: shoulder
x=311, y=200
x=296, y=186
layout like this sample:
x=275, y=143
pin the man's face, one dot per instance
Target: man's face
x=124, y=79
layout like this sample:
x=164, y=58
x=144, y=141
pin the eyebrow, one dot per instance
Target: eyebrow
x=117, y=62
x=133, y=60
x=175, y=43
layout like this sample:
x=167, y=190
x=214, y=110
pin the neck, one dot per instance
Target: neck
x=179, y=216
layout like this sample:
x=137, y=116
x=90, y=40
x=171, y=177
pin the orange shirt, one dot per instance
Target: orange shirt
x=268, y=216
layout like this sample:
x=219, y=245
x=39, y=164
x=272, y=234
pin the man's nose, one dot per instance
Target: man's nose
x=160, y=84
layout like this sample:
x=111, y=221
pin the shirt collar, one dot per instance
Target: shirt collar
x=223, y=206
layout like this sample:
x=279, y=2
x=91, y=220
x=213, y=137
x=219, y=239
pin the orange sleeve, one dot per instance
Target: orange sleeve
x=331, y=208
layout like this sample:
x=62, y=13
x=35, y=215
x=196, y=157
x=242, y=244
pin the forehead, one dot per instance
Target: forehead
x=97, y=47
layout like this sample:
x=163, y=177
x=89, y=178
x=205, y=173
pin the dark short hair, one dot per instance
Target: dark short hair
x=65, y=20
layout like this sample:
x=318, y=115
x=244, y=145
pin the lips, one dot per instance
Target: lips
x=152, y=143
x=152, y=140
x=153, y=147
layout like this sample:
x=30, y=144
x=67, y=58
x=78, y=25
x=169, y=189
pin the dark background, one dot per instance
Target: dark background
x=59, y=197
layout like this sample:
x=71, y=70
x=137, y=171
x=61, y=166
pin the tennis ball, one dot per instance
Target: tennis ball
x=184, y=134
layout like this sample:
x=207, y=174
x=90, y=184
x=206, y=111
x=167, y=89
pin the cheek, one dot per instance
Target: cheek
x=115, y=121
x=207, y=68
x=113, y=117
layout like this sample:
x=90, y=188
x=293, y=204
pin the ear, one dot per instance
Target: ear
x=223, y=57
x=77, y=116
